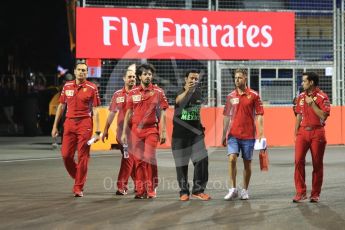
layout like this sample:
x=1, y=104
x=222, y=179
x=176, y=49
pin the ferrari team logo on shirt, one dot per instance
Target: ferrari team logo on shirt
x=85, y=89
x=301, y=103
x=69, y=93
x=120, y=99
x=314, y=98
x=235, y=100
x=136, y=98
x=249, y=96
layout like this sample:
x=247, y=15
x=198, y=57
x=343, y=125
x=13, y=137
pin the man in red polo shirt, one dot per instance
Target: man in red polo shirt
x=80, y=96
x=145, y=103
x=239, y=131
x=118, y=105
x=313, y=108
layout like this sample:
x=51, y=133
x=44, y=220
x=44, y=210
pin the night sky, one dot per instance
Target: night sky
x=36, y=34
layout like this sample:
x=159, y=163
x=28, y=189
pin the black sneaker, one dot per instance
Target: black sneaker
x=315, y=199
x=139, y=197
x=119, y=193
x=78, y=194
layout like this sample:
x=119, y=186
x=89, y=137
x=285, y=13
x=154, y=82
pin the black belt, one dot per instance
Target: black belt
x=311, y=128
x=77, y=118
x=144, y=126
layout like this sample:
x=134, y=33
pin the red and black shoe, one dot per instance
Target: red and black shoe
x=78, y=194
x=299, y=197
x=314, y=199
x=121, y=192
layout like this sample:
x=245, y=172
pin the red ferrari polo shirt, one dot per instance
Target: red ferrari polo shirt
x=146, y=104
x=79, y=98
x=309, y=117
x=242, y=110
x=118, y=104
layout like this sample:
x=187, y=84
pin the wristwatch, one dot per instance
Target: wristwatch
x=98, y=133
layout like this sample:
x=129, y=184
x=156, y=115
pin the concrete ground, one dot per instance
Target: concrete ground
x=35, y=192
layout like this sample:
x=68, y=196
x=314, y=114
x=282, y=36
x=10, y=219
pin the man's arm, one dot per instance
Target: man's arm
x=163, y=129
x=110, y=119
x=95, y=111
x=96, y=115
x=226, y=121
x=58, y=115
x=297, y=124
x=183, y=98
x=260, y=120
x=319, y=112
x=128, y=116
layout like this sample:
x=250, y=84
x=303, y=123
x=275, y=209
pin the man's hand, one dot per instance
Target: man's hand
x=260, y=136
x=191, y=86
x=124, y=138
x=55, y=132
x=105, y=135
x=309, y=100
x=97, y=137
x=224, y=142
x=162, y=137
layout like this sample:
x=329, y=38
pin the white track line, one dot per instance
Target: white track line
x=45, y=159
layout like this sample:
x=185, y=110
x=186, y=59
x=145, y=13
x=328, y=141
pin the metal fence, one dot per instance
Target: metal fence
x=319, y=39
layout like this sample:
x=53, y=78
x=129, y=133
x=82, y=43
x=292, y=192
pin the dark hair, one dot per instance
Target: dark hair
x=144, y=67
x=80, y=62
x=124, y=72
x=191, y=71
x=312, y=76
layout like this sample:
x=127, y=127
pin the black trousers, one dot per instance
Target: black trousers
x=191, y=148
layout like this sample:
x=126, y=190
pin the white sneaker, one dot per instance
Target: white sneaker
x=244, y=194
x=233, y=193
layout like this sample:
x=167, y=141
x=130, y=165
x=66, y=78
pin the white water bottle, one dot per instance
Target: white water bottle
x=91, y=141
x=125, y=151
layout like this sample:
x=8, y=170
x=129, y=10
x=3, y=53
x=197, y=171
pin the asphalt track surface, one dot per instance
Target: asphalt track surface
x=35, y=193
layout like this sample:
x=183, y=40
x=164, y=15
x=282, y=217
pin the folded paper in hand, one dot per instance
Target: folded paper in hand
x=260, y=145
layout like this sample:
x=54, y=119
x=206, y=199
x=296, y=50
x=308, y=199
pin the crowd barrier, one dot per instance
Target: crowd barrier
x=279, y=125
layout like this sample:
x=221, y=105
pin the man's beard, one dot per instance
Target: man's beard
x=131, y=85
x=147, y=82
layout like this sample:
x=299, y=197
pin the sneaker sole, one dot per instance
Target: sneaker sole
x=231, y=198
x=200, y=198
x=298, y=201
x=120, y=193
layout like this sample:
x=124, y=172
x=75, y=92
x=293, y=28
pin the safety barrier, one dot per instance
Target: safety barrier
x=279, y=125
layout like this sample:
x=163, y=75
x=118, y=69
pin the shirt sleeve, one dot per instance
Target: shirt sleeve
x=113, y=104
x=325, y=105
x=96, y=99
x=227, y=107
x=259, y=109
x=129, y=101
x=62, y=98
x=298, y=105
x=163, y=101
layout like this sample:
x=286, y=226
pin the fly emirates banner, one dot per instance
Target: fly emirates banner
x=184, y=34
